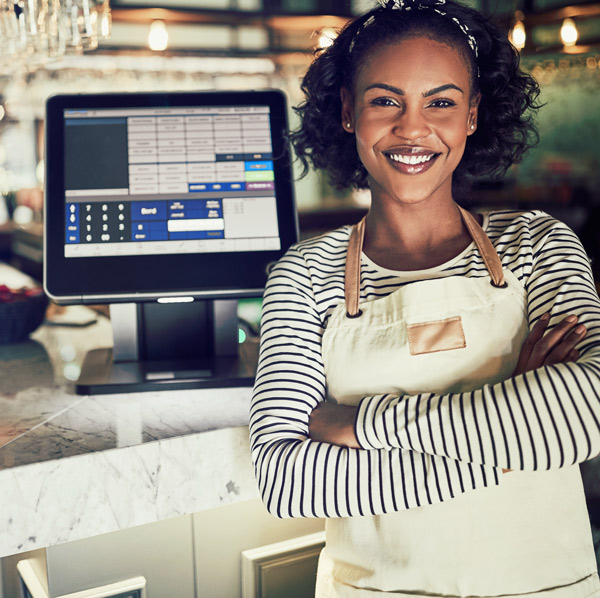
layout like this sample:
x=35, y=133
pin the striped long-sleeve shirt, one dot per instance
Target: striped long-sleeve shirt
x=545, y=418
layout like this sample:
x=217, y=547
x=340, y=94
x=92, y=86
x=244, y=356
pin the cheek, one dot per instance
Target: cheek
x=369, y=127
x=454, y=134
x=460, y=137
x=367, y=133
x=371, y=132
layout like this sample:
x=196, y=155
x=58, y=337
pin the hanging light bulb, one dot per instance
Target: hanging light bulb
x=158, y=38
x=568, y=33
x=517, y=34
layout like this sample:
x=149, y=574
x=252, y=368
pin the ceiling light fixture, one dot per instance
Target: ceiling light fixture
x=569, y=33
x=517, y=34
x=158, y=38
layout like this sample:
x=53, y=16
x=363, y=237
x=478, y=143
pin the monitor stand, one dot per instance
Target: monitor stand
x=170, y=346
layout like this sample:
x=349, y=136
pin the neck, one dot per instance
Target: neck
x=414, y=236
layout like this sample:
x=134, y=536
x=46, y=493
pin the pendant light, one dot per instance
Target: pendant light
x=158, y=38
x=517, y=34
x=569, y=33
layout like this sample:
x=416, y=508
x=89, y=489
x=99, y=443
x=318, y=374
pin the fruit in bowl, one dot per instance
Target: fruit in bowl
x=21, y=312
x=8, y=295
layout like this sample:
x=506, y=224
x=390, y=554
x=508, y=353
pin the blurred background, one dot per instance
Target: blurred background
x=52, y=46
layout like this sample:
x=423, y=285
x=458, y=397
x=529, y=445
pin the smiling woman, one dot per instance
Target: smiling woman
x=411, y=108
x=429, y=379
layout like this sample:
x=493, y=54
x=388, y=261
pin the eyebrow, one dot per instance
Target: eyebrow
x=426, y=94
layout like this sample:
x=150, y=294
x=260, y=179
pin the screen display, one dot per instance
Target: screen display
x=164, y=195
x=169, y=180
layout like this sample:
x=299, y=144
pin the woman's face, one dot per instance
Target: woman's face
x=411, y=112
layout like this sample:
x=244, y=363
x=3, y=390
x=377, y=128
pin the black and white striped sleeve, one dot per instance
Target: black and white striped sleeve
x=298, y=477
x=546, y=418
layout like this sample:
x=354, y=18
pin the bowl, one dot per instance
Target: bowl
x=21, y=312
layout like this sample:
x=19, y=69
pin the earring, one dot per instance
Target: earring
x=472, y=127
x=348, y=125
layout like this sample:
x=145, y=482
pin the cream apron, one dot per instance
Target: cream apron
x=530, y=534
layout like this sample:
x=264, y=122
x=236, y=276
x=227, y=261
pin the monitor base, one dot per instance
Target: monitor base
x=101, y=375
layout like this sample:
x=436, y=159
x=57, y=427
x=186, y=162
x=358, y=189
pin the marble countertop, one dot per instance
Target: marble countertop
x=75, y=466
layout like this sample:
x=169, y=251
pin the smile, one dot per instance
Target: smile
x=411, y=163
x=410, y=159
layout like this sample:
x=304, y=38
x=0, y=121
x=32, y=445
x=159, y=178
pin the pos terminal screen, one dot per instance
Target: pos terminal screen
x=153, y=195
x=169, y=180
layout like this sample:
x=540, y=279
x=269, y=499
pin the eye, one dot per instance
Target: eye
x=442, y=103
x=383, y=101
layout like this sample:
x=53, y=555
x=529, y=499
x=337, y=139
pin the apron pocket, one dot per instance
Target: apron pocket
x=438, y=335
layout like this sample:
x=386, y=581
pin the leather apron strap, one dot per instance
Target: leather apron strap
x=352, y=276
x=486, y=249
x=355, y=245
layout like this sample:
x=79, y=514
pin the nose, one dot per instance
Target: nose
x=411, y=123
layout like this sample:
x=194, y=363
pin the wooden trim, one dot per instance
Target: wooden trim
x=130, y=13
x=258, y=564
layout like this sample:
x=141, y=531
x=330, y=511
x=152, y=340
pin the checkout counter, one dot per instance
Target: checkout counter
x=72, y=467
x=76, y=466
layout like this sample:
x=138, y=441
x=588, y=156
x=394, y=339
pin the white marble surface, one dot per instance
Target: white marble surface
x=72, y=467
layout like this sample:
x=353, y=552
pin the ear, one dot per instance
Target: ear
x=347, y=110
x=473, y=111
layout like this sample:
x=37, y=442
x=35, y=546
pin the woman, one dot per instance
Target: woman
x=429, y=380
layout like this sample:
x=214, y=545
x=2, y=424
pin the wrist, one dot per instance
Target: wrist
x=334, y=424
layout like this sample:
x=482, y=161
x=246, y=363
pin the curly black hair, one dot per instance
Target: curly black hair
x=509, y=97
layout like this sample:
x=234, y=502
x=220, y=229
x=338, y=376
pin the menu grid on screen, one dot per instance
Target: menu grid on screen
x=146, y=181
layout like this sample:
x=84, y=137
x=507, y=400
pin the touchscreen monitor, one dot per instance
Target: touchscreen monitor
x=170, y=207
x=154, y=195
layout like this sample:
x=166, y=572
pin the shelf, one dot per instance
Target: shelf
x=280, y=22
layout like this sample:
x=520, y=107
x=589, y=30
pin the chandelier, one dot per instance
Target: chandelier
x=34, y=32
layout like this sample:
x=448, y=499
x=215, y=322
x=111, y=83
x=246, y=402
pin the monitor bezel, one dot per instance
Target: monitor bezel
x=134, y=278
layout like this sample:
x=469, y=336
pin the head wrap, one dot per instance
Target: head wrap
x=433, y=5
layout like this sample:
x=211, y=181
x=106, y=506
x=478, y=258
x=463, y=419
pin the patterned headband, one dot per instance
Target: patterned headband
x=422, y=5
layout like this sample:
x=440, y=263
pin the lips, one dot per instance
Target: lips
x=412, y=160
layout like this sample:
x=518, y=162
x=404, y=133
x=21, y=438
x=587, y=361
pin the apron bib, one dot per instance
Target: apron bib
x=530, y=534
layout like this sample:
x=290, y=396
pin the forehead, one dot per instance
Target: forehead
x=415, y=62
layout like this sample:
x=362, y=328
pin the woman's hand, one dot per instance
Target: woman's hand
x=333, y=424
x=556, y=346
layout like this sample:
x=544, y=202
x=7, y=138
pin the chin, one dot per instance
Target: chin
x=412, y=194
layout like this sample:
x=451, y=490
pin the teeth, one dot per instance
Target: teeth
x=405, y=159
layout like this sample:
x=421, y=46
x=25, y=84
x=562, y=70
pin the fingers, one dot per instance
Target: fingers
x=537, y=332
x=565, y=349
x=556, y=344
